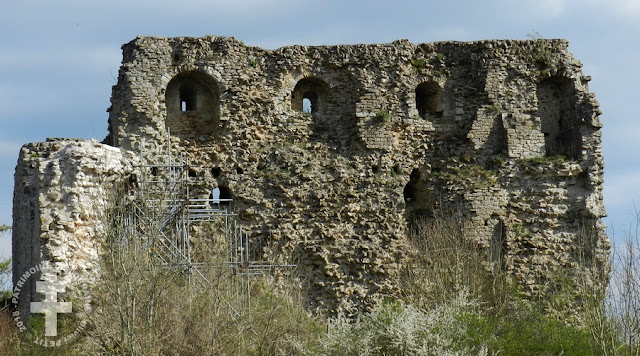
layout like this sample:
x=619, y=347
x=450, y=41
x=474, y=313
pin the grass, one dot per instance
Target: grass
x=382, y=117
x=546, y=160
x=253, y=61
x=495, y=163
x=541, y=51
x=470, y=175
x=495, y=109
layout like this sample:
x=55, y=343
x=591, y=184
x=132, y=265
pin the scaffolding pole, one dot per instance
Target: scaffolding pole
x=165, y=212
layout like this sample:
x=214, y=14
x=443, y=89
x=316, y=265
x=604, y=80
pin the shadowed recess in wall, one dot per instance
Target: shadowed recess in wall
x=417, y=199
x=429, y=100
x=559, y=122
x=193, y=106
x=332, y=112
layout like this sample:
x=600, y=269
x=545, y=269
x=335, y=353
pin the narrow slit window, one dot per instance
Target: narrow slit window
x=187, y=98
x=306, y=105
x=310, y=102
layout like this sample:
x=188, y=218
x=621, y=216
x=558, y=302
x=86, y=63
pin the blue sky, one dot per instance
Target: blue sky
x=59, y=59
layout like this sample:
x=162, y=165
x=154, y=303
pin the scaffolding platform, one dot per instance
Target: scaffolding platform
x=165, y=212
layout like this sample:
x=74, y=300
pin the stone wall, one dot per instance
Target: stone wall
x=330, y=152
x=60, y=202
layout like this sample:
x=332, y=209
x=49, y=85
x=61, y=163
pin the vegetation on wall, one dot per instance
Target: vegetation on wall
x=418, y=64
x=541, y=51
x=472, y=176
x=382, y=117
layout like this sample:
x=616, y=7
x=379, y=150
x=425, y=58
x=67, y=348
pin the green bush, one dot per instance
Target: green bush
x=534, y=333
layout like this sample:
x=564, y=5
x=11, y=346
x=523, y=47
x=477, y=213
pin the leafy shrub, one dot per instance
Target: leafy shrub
x=534, y=333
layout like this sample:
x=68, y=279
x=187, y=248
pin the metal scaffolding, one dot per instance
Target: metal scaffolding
x=166, y=212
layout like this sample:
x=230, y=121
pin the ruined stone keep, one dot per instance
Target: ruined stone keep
x=331, y=152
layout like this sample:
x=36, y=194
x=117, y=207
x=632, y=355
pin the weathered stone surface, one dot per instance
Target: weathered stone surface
x=395, y=131
x=59, y=206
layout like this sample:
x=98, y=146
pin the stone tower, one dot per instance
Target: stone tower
x=331, y=152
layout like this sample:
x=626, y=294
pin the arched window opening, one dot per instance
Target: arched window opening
x=429, y=100
x=214, y=198
x=307, y=105
x=193, y=106
x=309, y=95
x=220, y=196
